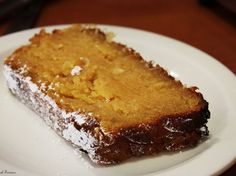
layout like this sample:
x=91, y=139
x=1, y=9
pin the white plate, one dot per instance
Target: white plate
x=29, y=147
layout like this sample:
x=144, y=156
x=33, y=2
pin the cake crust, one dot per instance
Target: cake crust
x=84, y=131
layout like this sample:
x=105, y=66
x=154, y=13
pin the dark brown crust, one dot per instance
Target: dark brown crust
x=168, y=133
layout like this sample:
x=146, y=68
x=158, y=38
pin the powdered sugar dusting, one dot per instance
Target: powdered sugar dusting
x=43, y=86
x=80, y=138
x=47, y=108
x=76, y=70
x=168, y=126
x=23, y=69
x=33, y=87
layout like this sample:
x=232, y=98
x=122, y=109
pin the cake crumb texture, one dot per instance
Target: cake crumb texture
x=103, y=97
x=83, y=70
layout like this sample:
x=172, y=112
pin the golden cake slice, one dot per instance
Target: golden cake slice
x=103, y=97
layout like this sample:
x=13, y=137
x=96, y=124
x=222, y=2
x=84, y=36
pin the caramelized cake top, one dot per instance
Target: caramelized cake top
x=83, y=70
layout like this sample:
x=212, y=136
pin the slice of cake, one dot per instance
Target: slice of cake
x=103, y=97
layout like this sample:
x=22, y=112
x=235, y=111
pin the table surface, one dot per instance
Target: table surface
x=211, y=29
